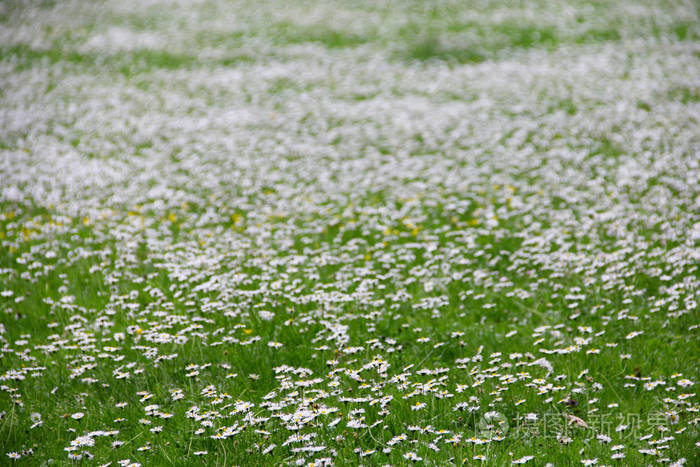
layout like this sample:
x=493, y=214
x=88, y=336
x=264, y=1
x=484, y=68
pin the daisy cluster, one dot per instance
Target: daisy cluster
x=349, y=233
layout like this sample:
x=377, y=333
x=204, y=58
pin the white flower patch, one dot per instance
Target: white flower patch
x=324, y=234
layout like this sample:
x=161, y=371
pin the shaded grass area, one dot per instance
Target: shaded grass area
x=287, y=32
x=474, y=43
x=127, y=63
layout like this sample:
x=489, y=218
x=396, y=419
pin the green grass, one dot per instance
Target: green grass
x=485, y=327
x=126, y=63
x=684, y=94
x=431, y=48
x=474, y=43
x=291, y=33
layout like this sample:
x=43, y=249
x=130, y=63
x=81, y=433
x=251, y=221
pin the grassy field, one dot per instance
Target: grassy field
x=350, y=233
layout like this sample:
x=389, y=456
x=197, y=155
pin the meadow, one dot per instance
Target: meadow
x=349, y=232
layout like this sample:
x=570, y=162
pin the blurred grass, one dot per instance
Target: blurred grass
x=127, y=63
x=455, y=32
